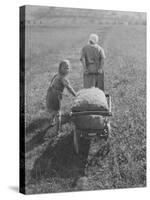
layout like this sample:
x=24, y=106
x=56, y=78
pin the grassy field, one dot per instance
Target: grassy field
x=51, y=165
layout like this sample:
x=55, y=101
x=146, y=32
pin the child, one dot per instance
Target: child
x=92, y=59
x=55, y=92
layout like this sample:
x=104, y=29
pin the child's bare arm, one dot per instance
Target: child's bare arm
x=102, y=58
x=83, y=64
x=69, y=87
x=101, y=65
x=71, y=90
x=83, y=61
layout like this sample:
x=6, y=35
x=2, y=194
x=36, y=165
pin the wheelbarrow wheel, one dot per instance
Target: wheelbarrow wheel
x=107, y=130
x=76, y=141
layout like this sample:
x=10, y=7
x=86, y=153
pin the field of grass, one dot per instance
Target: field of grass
x=51, y=165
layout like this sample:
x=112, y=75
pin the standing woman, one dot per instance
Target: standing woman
x=92, y=59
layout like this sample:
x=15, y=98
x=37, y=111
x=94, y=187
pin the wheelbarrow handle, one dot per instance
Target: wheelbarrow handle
x=102, y=113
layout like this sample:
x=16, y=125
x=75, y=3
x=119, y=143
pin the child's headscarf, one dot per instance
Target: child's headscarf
x=93, y=38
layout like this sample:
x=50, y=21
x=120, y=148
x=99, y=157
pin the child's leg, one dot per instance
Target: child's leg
x=86, y=81
x=52, y=117
x=58, y=122
x=89, y=80
x=100, y=81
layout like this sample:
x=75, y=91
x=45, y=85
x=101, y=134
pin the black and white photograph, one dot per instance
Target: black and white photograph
x=82, y=99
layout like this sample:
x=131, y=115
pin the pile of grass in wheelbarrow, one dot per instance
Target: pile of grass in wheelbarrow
x=91, y=99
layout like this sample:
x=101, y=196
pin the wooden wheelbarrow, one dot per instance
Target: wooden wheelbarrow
x=90, y=123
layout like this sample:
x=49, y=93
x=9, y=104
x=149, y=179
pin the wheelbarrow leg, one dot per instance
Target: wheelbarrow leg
x=76, y=140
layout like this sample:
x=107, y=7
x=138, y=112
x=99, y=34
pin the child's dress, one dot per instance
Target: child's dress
x=54, y=93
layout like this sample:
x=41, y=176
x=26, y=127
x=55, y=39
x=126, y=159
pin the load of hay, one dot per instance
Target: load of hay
x=91, y=99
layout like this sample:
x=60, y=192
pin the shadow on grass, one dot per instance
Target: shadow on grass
x=59, y=160
x=41, y=126
x=37, y=124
